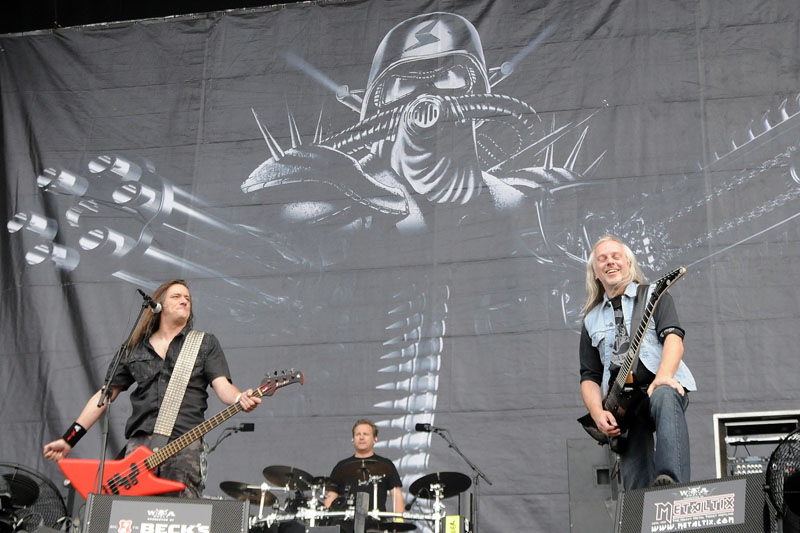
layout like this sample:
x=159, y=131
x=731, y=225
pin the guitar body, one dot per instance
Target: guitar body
x=623, y=403
x=621, y=406
x=125, y=477
x=616, y=443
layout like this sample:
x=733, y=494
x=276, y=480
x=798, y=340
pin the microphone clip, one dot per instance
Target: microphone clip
x=154, y=306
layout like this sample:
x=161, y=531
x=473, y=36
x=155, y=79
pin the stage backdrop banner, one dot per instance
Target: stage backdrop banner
x=398, y=200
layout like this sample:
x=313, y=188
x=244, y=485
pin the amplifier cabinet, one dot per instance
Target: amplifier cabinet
x=152, y=514
x=733, y=505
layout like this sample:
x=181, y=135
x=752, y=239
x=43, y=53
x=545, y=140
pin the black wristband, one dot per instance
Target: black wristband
x=74, y=434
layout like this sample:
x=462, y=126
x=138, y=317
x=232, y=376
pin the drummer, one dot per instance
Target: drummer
x=361, y=471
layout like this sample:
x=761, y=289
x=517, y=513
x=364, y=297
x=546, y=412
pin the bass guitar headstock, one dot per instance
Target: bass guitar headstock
x=275, y=380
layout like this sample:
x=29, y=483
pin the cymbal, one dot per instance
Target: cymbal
x=452, y=483
x=360, y=470
x=391, y=527
x=326, y=483
x=245, y=492
x=288, y=476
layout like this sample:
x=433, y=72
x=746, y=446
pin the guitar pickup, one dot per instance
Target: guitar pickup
x=113, y=484
x=134, y=475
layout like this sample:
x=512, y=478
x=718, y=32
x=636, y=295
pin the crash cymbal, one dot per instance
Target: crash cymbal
x=288, y=476
x=452, y=483
x=360, y=470
x=245, y=492
x=391, y=527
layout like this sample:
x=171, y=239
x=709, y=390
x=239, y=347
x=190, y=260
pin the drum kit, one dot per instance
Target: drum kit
x=303, y=497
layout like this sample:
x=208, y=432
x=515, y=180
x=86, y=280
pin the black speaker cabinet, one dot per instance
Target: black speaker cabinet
x=592, y=487
x=153, y=514
x=731, y=504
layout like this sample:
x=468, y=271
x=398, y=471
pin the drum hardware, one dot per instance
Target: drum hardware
x=312, y=516
x=392, y=527
x=440, y=484
x=374, y=480
x=289, y=477
x=320, y=486
x=257, y=494
x=324, y=483
x=359, y=471
x=274, y=516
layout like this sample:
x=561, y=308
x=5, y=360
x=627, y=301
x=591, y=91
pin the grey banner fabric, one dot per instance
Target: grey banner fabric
x=397, y=198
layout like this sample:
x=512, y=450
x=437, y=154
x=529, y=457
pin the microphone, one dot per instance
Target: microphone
x=246, y=427
x=427, y=428
x=155, y=307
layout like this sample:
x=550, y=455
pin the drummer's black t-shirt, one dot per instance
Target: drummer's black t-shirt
x=346, y=485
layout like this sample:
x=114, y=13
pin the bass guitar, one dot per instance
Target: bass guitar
x=133, y=475
x=623, y=395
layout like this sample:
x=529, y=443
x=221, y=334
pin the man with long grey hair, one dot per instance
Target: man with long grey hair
x=612, y=280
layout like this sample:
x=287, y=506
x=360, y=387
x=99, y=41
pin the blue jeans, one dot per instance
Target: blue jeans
x=646, y=457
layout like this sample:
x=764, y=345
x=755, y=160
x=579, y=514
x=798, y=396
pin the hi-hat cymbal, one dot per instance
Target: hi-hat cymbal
x=245, y=492
x=288, y=476
x=360, y=470
x=391, y=527
x=452, y=483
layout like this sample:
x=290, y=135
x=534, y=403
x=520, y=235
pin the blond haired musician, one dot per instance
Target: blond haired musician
x=366, y=472
x=612, y=279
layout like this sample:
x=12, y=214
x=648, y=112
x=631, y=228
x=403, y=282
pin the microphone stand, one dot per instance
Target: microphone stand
x=105, y=395
x=476, y=471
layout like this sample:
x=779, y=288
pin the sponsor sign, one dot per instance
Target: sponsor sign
x=702, y=506
x=142, y=516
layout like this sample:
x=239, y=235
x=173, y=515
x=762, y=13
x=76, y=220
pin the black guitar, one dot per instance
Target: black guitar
x=623, y=395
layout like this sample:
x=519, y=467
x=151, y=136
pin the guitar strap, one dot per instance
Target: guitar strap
x=168, y=412
x=638, y=306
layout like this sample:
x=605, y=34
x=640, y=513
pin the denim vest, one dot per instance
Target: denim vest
x=599, y=322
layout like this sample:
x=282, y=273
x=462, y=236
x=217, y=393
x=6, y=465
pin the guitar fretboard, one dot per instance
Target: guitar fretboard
x=267, y=389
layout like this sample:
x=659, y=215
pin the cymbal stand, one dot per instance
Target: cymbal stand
x=264, y=489
x=438, y=506
x=374, y=480
x=475, y=480
x=314, y=501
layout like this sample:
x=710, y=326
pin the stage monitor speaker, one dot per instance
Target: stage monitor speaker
x=592, y=486
x=153, y=514
x=731, y=504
